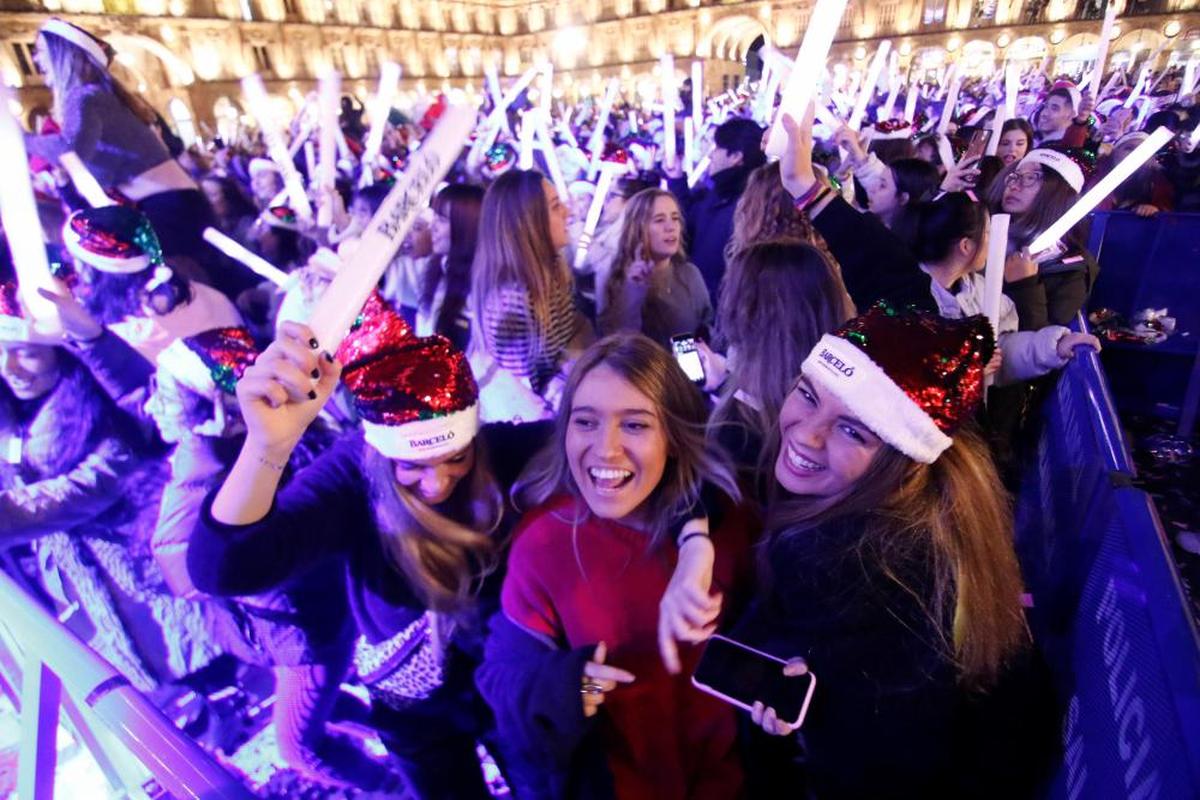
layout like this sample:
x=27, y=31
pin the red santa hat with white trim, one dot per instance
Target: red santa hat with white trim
x=416, y=396
x=911, y=377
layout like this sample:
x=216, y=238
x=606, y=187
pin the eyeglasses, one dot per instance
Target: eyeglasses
x=1026, y=180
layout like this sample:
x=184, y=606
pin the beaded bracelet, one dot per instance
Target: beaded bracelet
x=803, y=200
x=270, y=464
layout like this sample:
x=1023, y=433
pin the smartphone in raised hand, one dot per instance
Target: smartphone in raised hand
x=741, y=676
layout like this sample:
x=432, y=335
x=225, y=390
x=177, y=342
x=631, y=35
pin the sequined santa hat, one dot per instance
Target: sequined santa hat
x=281, y=216
x=889, y=129
x=911, y=377
x=114, y=239
x=499, y=159
x=210, y=364
x=15, y=325
x=416, y=397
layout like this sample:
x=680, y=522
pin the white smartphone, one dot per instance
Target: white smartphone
x=684, y=348
x=740, y=675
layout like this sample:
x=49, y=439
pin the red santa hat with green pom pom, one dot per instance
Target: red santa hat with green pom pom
x=115, y=239
x=211, y=361
x=416, y=397
x=911, y=377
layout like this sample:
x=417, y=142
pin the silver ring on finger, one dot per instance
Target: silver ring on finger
x=591, y=686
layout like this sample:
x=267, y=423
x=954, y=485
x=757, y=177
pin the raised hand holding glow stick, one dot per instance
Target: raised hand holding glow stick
x=19, y=218
x=1110, y=16
x=328, y=99
x=260, y=107
x=670, y=96
x=810, y=61
x=867, y=90
x=385, y=233
x=1103, y=188
x=85, y=182
x=255, y=263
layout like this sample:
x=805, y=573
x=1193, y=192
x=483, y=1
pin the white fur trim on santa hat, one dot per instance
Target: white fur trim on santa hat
x=1060, y=163
x=424, y=438
x=185, y=365
x=78, y=37
x=118, y=266
x=837, y=366
x=18, y=330
x=260, y=165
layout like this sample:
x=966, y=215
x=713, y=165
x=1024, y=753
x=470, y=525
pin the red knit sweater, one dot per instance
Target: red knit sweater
x=594, y=581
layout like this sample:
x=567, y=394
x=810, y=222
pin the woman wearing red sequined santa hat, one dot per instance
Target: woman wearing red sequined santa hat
x=888, y=567
x=412, y=505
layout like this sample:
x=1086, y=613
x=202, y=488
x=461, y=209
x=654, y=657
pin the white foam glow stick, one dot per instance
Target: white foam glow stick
x=910, y=103
x=765, y=100
x=951, y=101
x=497, y=118
x=328, y=99
x=1189, y=76
x=1137, y=89
x=1110, y=16
x=826, y=117
x=1195, y=138
x=493, y=83
x=689, y=144
x=1103, y=188
x=895, y=81
x=997, y=131
x=546, y=143
x=310, y=161
x=607, y=173
x=823, y=24
x=945, y=153
x=385, y=233
x=670, y=96
x=85, y=182
x=1012, y=87
x=546, y=97
x=867, y=90
x=256, y=98
x=525, y=141
x=993, y=283
x=698, y=91
x=698, y=171
x=596, y=142
x=381, y=106
x=19, y=218
x=254, y=262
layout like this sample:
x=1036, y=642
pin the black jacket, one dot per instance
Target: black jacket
x=708, y=212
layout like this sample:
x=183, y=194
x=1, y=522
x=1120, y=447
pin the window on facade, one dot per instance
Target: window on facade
x=24, y=55
x=262, y=57
x=935, y=12
x=289, y=8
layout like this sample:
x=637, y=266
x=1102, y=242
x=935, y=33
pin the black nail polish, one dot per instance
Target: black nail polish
x=314, y=344
x=329, y=357
x=316, y=373
x=312, y=395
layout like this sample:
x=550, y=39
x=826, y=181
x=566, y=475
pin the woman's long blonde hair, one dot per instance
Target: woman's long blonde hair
x=766, y=211
x=635, y=239
x=444, y=552
x=955, y=509
x=515, y=248
x=73, y=68
x=692, y=460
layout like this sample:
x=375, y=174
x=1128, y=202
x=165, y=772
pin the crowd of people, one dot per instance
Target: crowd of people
x=500, y=505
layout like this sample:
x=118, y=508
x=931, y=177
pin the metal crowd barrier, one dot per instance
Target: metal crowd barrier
x=45, y=669
x=1109, y=610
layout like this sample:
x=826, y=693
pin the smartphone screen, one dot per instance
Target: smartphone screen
x=686, y=354
x=741, y=675
x=977, y=146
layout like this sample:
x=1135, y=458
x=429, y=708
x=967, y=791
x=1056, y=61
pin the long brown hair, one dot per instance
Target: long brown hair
x=515, y=248
x=74, y=68
x=1051, y=202
x=791, y=284
x=691, y=458
x=444, y=552
x=635, y=239
x=766, y=211
x=460, y=203
x=954, y=509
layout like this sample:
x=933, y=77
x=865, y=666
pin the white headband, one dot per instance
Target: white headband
x=78, y=37
x=1060, y=163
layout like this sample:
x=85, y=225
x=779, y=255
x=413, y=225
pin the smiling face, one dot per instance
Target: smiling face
x=439, y=233
x=30, y=370
x=616, y=445
x=434, y=480
x=664, y=228
x=1013, y=146
x=824, y=448
x=1055, y=115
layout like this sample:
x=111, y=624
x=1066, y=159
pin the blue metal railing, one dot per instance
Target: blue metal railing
x=47, y=669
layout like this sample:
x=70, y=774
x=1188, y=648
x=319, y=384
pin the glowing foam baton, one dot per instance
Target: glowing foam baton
x=993, y=276
x=607, y=173
x=596, y=142
x=328, y=99
x=254, y=262
x=895, y=81
x=310, y=161
x=1110, y=16
x=697, y=91
x=1103, y=188
x=670, y=96
x=867, y=90
x=85, y=182
x=1143, y=76
x=997, y=131
x=256, y=98
x=698, y=171
x=810, y=61
x=910, y=103
x=951, y=101
x=19, y=218
x=689, y=144
x=543, y=140
x=1194, y=139
x=340, y=304
x=1012, y=87
x=1189, y=77
x=389, y=79
x=493, y=83
x=525, y=140
x=496, y=118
